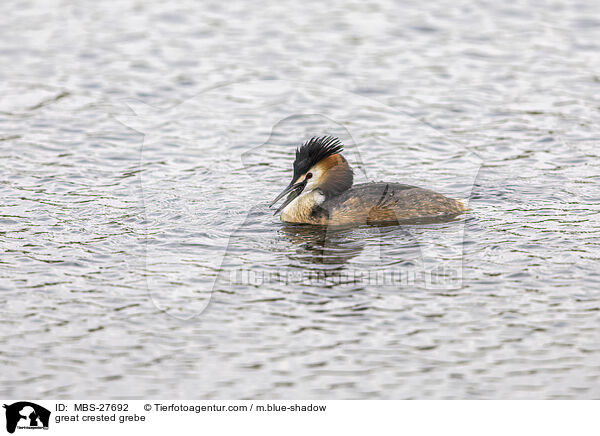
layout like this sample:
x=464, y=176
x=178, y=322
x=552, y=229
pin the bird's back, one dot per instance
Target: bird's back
x=387, y=202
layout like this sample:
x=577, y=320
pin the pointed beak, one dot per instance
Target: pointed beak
x=294, y=190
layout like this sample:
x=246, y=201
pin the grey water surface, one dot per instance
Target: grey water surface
x=142, y=141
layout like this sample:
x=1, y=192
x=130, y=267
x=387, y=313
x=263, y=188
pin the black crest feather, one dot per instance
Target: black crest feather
x=314, y=150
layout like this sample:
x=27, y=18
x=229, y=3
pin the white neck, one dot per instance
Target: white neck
x=299, y=210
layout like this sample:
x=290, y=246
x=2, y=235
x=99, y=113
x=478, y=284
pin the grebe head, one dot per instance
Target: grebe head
x=320, y=172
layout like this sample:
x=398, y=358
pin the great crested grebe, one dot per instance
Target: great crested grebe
x=321, y=192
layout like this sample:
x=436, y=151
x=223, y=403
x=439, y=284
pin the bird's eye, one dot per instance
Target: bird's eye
x=308, y=176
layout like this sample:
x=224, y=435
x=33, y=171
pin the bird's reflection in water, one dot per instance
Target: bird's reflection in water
x=328, y=257
x=321, y=245
x=385, y=245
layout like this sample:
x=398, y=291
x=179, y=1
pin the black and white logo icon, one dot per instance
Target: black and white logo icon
x=26, y=415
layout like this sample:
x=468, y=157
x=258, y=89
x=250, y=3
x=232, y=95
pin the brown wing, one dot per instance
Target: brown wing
x=389, y=202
